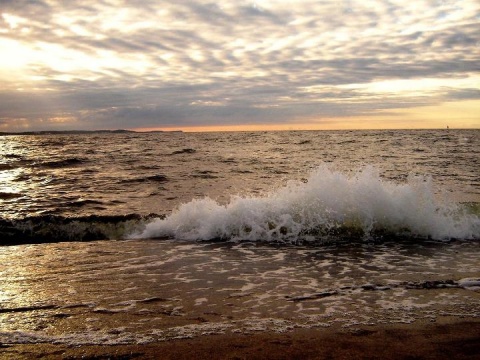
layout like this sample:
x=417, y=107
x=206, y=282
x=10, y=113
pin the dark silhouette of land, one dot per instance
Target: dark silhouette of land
x=74, y=132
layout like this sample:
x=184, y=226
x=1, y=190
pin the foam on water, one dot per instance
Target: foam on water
x=330, y=204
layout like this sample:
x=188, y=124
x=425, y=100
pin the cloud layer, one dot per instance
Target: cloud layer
x=134, y=64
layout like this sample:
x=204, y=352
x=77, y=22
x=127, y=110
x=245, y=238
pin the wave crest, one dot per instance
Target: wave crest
x=330, y=204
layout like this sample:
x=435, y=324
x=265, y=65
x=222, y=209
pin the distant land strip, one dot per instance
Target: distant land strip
x=73, y=132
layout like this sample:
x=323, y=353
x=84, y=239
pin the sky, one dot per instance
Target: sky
x=239, y=65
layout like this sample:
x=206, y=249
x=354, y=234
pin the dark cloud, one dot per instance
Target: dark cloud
x=28, y=7
x=463, y=94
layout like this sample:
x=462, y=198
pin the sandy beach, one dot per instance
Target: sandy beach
x=449, y=339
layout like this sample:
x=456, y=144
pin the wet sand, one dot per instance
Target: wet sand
x=452, y=339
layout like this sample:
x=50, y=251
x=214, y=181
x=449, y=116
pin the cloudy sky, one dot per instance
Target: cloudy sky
x=234, y=64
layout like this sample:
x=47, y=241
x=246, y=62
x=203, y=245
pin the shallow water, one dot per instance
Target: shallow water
x=140, y=291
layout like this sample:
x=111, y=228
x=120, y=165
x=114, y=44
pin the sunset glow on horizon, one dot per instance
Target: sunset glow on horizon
x=261, y=65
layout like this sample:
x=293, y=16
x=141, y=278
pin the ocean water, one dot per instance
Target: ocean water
x=138, y=237
x=271, y=186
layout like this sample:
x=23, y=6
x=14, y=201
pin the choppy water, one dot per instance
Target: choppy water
x=310, y=229
x=96, y=179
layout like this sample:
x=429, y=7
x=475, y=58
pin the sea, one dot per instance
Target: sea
x=121, y=238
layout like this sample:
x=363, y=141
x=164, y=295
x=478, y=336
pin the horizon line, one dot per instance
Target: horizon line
x=207, y=129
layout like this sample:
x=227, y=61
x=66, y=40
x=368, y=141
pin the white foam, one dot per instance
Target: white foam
x=200, y=301
x=329, y=200
x=470, y=283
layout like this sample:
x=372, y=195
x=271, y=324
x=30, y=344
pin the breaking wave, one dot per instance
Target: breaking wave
x=329, y=205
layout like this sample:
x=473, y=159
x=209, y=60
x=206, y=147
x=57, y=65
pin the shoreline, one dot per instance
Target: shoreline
x=452, y=338
x=170, y=300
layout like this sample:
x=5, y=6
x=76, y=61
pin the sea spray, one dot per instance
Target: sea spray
x=329, y=204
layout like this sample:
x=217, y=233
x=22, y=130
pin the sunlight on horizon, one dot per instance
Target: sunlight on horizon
x=455, y=115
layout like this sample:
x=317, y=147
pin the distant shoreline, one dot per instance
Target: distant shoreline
x=124, y=131
x=76, y=132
